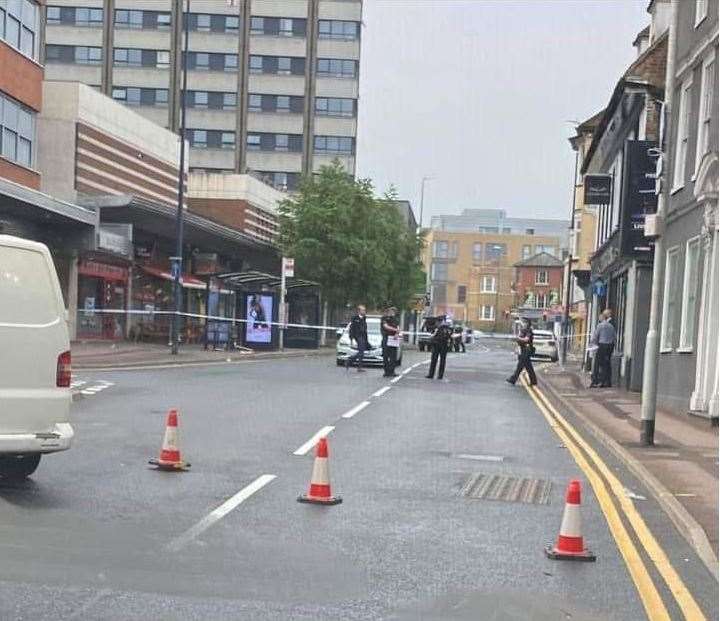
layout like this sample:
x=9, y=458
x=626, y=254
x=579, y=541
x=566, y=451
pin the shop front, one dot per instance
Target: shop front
x=102, y=287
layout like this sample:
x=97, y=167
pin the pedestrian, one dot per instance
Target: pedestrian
x=527, y=349
x=358, y=333
x=441, y=341
x=604, y=339
x=390, y=341
x=458, y=341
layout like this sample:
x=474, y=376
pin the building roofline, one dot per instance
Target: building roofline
x=35, y=197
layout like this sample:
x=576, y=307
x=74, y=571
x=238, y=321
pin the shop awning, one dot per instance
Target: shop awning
x=189, y=282
x=260, y=279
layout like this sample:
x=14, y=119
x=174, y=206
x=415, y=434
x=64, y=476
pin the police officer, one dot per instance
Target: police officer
x=441, y=342
x=458, y=340
x=525, y=341
x=389, y=329
x=358, y=333
x=604, y=338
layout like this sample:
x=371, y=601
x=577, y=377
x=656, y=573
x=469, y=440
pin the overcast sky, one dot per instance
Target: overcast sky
x=476, y=93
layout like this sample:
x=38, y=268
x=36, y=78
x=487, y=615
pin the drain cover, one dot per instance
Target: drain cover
x=507, y=488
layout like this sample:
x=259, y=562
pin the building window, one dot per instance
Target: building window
x=552, y=250
x=274, y=142
x=338, y=29
x=707, y=88
x=338, y=145
x=203, y=22
x=541, y=300
x=206, y=61
x=19, y=23
x=701, y=7
x=440, y=249
x=334, y=106
x=133, y=57
x=453, y=250
x=278, y=26
x=439, y=271
x=277, y=65
x=526, y=251
x=487, y=313
x=73, y=16
x=541, y=277
x=141, y=96
x=142, y=20
x=256, y=64
x=683, y=130
x=336, y=68
x=494, y=253
x=210, y=139
x=461, y=294
x=670, y=300
x=689, y=296
x=282, y=181
x=17, y=132
x=275, y=103
x=477, y=250
x=71, y=54
x=488, y=284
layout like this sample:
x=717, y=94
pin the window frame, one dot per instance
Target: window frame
x=682, y=138
x=708, y=69
x=19, y=134
x=701, y=11
x=481, y=313
x=31, y=26
x=493, y=284
x=544, y=272
x=691, y=281
x=667, y=331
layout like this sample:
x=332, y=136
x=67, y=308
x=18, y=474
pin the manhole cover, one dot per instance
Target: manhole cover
x=507, y=488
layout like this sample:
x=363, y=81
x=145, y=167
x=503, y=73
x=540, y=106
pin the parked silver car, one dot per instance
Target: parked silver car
x=373, y=355
x=546, y=346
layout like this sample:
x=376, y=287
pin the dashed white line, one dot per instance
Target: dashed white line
x=356, y=409
x=396, y=380
x=314, y=440
x=219, y=513
x=408, y=370
x=382, y=391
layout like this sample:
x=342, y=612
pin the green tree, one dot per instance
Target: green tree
x=356, y=246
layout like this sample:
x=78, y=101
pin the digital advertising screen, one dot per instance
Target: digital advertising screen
x=259, y=313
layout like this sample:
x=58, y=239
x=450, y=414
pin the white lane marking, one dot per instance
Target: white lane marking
x=408, y=370
x=356, y=409
x=382, y=391
x=480, y=457
x=396, y=380
x=219, y=513
x=314, y=440
x=416, y=365
x=87, y=391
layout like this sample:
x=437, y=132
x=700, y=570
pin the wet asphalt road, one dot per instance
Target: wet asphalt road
x=96, y=534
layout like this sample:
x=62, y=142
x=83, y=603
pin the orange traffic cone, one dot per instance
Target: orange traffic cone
x=570, y=545
x=320, y=480
x=170, y=453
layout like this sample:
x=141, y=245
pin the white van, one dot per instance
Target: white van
x=34, y=358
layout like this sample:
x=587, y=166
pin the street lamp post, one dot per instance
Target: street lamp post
x=422, y=198
x=565, y=328
x=176, y=261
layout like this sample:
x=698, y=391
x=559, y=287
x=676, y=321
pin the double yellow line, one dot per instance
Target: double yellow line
x=600, y=478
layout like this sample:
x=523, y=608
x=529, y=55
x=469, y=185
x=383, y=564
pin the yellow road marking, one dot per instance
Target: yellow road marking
x=651, y=600
x=677, y=587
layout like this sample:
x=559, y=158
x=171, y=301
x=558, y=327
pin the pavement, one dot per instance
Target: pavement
x=110, y=355
x=96, y=533
x=681, y=468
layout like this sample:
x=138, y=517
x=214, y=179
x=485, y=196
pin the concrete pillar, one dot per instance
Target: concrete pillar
x=72, y=296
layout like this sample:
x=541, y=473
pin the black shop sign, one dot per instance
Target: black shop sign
x=638, y=197
x=597, y=189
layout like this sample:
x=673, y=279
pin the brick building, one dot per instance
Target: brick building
x=538, y=285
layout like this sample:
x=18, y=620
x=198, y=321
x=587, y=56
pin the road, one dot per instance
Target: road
x=97, y=534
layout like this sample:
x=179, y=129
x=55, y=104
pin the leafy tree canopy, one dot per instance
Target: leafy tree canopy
x=357, y=246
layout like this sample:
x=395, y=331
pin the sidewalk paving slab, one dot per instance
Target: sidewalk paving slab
x=681, y=469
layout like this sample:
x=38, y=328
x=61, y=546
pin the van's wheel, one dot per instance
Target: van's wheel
x=18, y=466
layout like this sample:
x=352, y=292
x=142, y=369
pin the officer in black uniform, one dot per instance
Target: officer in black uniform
x=458, y=341
x=441, y=342
x=358, y=333
x=525, y=341
x=389, y=328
